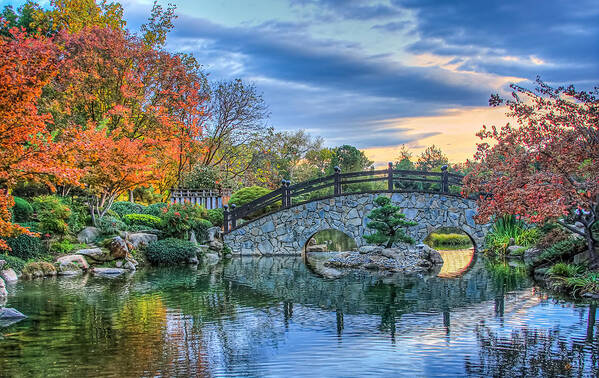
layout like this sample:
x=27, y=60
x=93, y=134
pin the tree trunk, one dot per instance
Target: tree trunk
x=131, y=199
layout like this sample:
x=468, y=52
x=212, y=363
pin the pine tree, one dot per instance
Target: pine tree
x=388, y=222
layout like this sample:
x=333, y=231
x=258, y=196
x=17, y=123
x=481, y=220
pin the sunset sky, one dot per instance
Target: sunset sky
x=378, y=74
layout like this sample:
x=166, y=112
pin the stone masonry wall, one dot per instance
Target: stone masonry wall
x=286, y=232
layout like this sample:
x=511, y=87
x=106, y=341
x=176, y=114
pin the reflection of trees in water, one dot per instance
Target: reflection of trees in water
x=535, y=353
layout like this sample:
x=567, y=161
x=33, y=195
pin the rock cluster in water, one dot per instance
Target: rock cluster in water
x=411, y=259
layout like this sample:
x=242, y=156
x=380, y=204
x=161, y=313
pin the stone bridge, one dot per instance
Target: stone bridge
x=287, y=231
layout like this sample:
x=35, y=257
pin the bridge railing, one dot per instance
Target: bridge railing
x=373, y=181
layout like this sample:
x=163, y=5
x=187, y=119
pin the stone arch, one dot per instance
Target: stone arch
x=472, y=239
x=286, y=231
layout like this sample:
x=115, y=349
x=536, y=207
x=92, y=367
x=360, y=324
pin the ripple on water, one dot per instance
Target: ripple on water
x=273, y=317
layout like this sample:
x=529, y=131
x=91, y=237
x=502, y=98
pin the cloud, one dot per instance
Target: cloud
x=562, y=34
x=353, y=9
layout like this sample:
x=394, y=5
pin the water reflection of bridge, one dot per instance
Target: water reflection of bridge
x=288, y=279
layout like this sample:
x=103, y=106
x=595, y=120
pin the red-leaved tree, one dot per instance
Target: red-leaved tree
x=546, y=167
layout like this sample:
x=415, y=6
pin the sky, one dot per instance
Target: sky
x=382, y=73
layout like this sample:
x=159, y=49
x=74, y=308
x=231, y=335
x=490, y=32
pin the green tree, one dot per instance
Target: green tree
x=404, y=159
x=388, y=223
x=349, y=159
x=431, y=158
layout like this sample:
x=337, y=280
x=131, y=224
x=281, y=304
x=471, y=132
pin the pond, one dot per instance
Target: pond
x=273, y=316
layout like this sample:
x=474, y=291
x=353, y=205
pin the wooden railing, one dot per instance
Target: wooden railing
x=209, y=198
x=373, y=181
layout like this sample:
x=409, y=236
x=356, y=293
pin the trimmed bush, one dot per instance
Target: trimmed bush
x=25, y=247
x=155, y=209
x=246, y=195
x=111, y=225
x=38, y=269
x=22, y=210
x=170, y=251
x=201, y=227
x=13, y=262
x=126, y=207
x=150, y=221
x=215, y=216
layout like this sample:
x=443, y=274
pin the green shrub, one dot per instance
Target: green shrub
x=553, y=236
x=246, y=195
x=449, y=240
x=110, y=225
x=22, y=210
x=79, y=216
x=180, y=218
x=125, y=207
x=170, y=251
x=13, y=262
x=215, y=216
x=155, y=209
x=53, y=215
x=563, y=249
x=561, y=269
x=147, y=220
x=62, y=247
x=200, y=227
x=26, y=247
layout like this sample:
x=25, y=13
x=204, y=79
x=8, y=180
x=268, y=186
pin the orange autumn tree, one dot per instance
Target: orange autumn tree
x=27, y=152
x=546, y=166
x=113, y=90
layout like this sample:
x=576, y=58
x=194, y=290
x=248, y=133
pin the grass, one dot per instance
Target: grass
x=449, y=240
x=507, y=228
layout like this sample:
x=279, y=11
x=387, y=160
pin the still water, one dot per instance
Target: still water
x=273, y=316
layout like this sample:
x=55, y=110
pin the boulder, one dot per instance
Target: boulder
x=10, y=316
x=74, y=260
x=192, y=237
x=70, y=271
x=140, y=239
x=210, y=258
x=129, y=266
x=583, y=258
x=370, y=249
x=2, y=263
x=9, y=275
x=88, y=235
x=215, y=237
x=193, y=261
x=96, y=254
x=119, y=248
x=109, y=271
x=3, y=292
x=532, y=256
x=431, y=254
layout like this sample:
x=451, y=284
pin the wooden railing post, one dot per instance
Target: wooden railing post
x=283, y=194
x=226, y=218
x=337, y=185
x=444, y=180
x=288, y=192
x=390, y=177
x=233, y=217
